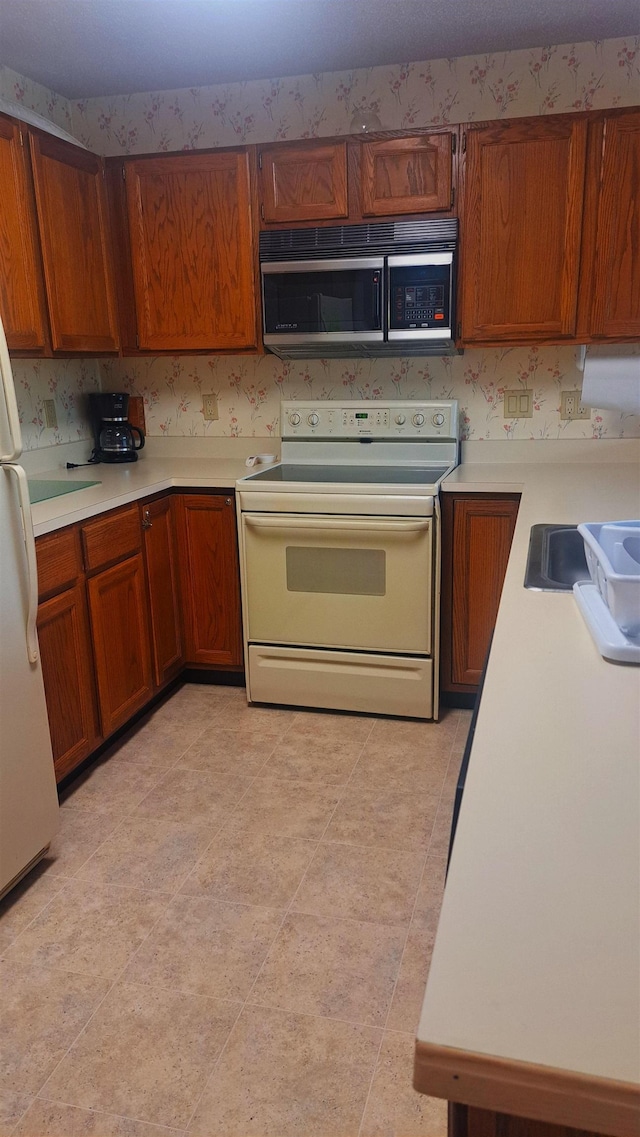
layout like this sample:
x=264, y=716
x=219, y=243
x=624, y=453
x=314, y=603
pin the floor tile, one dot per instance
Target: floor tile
x=42, y=1012
x=326, y=724
x=193, y=796
x=404, y=766
x=146, y=1054
x=288, y=807
x=441, y=832
x=148, y=853
x=49, y=1119
x=238, y=715
x=206, y=948
x=431, y=735
x=429, y=899
x=89, y=928
x=285, y=1075
x=394, y=1108
x=12, y=1107
x=26, y=901
x=81, y=832
x=319, y=759
x=113, y=786
x=375, y=885
x=244, y=867
x=379, y=816
x=408, y=996
x=334, y=968
x=226, y=752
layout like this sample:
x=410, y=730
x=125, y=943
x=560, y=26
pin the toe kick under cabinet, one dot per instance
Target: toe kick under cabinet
x=115, y=594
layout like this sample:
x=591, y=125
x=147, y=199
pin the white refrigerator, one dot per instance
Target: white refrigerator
x=28, y=798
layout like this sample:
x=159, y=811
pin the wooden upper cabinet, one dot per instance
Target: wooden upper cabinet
x=192, y=249
x=21, y=294
x=615, y=310
x=522, y=225
x=304, y=182
x=72, y=215
x=406, y=175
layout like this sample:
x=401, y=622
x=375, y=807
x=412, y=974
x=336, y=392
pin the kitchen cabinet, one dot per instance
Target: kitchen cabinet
x=303, y=182
x=615, y=308
x=477, y=533
x=522, y=229
x=74, y=234
x=161, y=561
x=468, y=1121
x=189, y=245
x=22, y=302
x=66, y=651
x=117, y=599
x=209, y=573
x=406, y=175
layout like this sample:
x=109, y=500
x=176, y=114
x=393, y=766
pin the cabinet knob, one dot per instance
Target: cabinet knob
x=227, y=501
x=146, y=520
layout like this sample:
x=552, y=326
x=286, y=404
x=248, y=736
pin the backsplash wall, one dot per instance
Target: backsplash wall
x=511, y=84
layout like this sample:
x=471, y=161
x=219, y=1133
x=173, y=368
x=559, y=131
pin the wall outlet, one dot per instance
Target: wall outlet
x=210, y=407
x=571, y=407
x=50, y=416
x=518, y=404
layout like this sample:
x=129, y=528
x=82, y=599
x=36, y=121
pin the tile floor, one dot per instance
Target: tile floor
x=232, y=932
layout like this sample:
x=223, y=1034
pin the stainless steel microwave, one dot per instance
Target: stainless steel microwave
x=360, y=290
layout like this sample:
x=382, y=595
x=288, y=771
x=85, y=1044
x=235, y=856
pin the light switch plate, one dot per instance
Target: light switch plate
x=50, y=416
x=518, y=404
x=210, y=407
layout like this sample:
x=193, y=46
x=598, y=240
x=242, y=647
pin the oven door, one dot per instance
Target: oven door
x=360, y=583
x=324, y=301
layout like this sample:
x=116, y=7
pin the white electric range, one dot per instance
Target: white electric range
x=340, y=557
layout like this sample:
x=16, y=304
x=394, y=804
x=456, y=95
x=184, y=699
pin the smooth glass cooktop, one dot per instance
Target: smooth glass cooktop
x=352, y=475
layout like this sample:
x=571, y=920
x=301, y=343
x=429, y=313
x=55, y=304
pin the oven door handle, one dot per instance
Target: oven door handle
x=352, y=524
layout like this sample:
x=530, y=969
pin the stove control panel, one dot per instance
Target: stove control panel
x=437, y=419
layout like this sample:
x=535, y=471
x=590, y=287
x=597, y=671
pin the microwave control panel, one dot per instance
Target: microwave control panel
x=419, y=295
x=414, y=419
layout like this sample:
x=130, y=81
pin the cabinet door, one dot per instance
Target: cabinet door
x=72, y=216
x=522, y=224
x=161, y=559
x=119, y=624
x=208, y=550
x=191, y=242
x=468, y=1121
x=21, y=293
x=477, y=535
x=616, y=285
x=67, y=670
x=406, y=175
x=303, y=183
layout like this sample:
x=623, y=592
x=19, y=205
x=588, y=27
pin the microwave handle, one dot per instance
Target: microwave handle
x=377, y=290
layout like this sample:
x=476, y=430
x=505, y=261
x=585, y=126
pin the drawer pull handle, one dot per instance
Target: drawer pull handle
x=146, y=520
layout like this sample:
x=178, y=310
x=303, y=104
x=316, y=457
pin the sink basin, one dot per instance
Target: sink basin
x=556, y=558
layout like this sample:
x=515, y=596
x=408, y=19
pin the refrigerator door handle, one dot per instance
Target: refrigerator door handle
x=8, y=391
x=32, y=567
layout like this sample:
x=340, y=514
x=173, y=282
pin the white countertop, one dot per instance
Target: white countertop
x=537, y=956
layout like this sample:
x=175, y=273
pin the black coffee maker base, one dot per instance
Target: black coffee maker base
x=129, y=456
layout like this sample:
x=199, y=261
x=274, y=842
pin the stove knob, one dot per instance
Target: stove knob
x=400, y=419
x=418, y=420
x=313, y=419
x=438, y=419
x=294, y=419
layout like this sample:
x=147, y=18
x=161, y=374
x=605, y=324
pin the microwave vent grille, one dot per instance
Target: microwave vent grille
x=382, y=239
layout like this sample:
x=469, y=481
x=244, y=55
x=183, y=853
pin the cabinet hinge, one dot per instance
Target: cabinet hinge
x=464, y=143
x=137, y=340
x=459, y=336
x=21, y=135
x=259, y=159
x=454, y=143
x=453, y=196
x=124, y=173
x=262, y=210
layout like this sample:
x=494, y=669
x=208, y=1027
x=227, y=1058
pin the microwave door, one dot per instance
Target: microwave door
x=323, y=301
x=420, y=297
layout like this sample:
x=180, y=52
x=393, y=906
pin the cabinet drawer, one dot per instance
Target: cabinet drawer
x=111, y=538
x=59, y=561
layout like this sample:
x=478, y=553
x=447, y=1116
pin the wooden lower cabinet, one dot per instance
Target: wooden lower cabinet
x=67, y=668
x=208, y=556
x=161, y=560
x=468, y=1121
x=121, y=643
x=477, y=533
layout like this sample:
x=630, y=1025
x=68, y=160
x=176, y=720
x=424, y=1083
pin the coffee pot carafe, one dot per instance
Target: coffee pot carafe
x=114, y=435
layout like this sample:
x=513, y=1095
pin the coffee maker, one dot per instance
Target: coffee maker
x=114, y=434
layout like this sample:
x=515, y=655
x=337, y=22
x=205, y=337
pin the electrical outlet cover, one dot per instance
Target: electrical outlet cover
x=210, y=407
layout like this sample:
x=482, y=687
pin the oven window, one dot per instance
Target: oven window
x=348, y=572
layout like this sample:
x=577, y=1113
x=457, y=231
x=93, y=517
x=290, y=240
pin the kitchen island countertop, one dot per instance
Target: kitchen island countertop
x=532, y=1004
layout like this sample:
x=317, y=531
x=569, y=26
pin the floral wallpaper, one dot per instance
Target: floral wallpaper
x=249, y=389
x=539, y=81
x=67, y=382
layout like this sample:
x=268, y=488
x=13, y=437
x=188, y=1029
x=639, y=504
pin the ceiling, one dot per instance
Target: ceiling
x=88, y=48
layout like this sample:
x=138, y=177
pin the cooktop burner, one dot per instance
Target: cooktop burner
x=351, y=475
